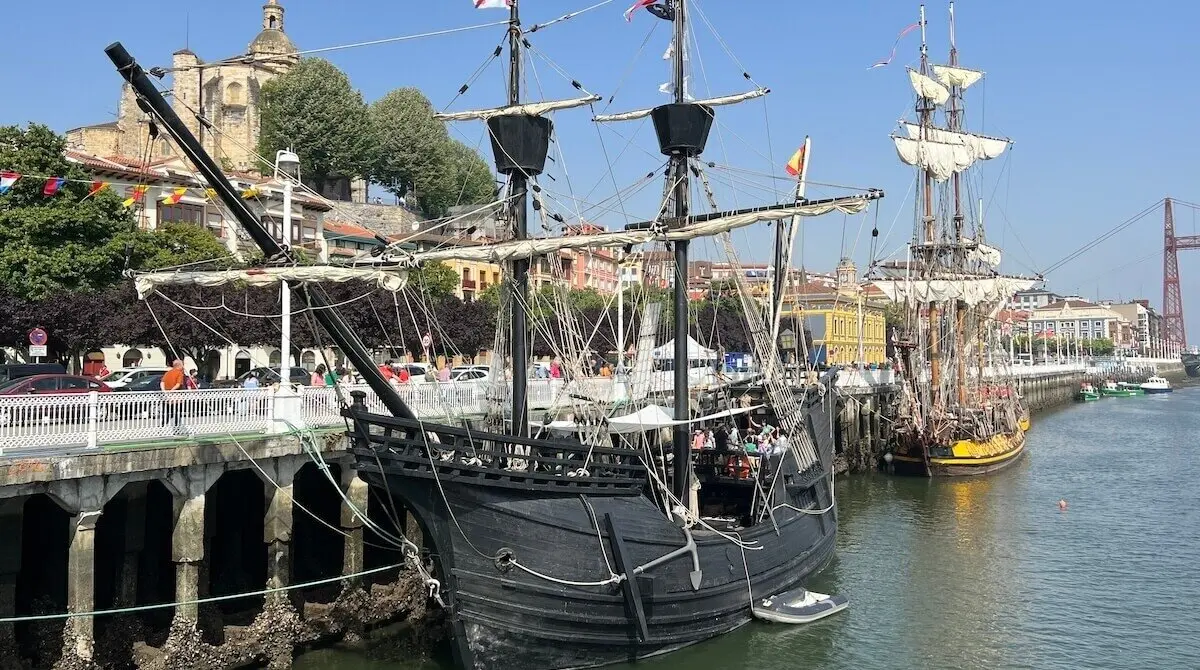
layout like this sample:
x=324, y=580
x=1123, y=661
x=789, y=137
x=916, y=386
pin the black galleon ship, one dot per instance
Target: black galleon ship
x=592, y=540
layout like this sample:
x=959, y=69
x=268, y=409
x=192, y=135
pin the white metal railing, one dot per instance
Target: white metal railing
x=92, y=419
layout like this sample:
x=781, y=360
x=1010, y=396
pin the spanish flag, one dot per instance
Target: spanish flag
x=796, y=164
x=135, y=195
x=97, y=186
x=210, y=193
x=175, y=196
x=250, y=192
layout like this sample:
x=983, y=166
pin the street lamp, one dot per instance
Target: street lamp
x=287, y=170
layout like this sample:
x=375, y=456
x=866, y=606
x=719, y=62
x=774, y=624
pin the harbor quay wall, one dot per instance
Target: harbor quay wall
x=212, y=554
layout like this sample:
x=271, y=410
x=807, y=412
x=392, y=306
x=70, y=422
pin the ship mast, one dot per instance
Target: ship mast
x=925, y=111
x=954, y=124
x=519, y=290
x=679, y=175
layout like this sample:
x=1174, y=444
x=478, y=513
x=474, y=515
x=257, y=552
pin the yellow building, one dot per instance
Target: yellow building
x=475, y=277
x=835, y=315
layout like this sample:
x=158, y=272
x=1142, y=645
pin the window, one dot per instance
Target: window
x=215, y=224
x=44, y=385
x=73, y=383
x=234, y=94
x=181, y=213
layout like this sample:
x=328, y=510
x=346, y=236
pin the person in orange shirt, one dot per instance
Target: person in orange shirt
x=172, y=381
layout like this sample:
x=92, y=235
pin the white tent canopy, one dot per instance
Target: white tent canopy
x=650, y=417
x=695, y=351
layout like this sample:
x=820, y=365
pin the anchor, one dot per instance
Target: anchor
x=689, y=548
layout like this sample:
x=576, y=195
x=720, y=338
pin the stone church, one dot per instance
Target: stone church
x=225, y=92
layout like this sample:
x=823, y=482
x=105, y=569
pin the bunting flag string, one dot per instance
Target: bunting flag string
x=135, y=195
x=174, y=196
x=52, y=185
x=7, y=179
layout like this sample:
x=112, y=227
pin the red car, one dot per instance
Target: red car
x=11, y=413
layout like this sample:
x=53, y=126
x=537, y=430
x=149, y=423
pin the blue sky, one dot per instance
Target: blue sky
x=1098, y=100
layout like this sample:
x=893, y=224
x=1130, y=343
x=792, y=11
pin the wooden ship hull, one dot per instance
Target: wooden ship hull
x=480, y=520
x=963, y=458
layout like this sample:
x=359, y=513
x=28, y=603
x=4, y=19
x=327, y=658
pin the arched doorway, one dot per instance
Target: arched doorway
x=131, y=359
x=274, y=359
x=308, y=361
x=241, y=363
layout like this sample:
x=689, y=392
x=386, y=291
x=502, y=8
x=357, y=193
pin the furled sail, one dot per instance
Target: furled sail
x=703, y=227
x=387, y=279
x=529, y=108
x=928, y=88
x=956, y=76
x=972, y=291
x=711, y=102
x=983, y=253
x=982, y=147
x=942, y=159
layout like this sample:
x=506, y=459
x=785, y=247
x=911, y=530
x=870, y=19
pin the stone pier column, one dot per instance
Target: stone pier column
x=78, y=634
x=11, y=517
x=356, y=491
x=277, y=533
x=279, y=623
x=187, y=552
x=134, y=541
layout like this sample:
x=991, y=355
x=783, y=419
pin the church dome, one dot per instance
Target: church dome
x=272, y=40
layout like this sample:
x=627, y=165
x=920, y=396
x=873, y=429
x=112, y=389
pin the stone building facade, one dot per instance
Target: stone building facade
x=225, y=92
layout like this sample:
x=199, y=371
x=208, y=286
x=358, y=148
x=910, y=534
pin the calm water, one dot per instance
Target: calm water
x=988, y=573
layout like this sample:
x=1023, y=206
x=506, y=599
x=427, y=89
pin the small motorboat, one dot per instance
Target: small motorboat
x=1087, y=393
x=799, y=606
x=1134, y=389
x=1156, y=385
x=1115, y=390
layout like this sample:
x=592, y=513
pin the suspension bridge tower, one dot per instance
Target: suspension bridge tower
x=1174, y=331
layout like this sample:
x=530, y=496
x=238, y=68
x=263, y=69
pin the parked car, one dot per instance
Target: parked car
x=48, y=384
x=151, y=382
x=266, y=377
x=470, y=373
x=13, y=371
x=125, y=376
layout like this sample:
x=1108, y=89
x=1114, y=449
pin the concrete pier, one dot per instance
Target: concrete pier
x=175, y=524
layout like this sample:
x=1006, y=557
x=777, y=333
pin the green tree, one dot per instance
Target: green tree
x=471, y=177
x=435, y=279
x=172, y=244
x=64, y=242
x=314, y=111
x=413, y=155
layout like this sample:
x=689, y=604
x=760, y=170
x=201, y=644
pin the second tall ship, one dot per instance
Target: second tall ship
x=960, y=413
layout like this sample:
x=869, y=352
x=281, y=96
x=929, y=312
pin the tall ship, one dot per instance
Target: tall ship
x=597, y=535
x=959, y=413
x=1191, y=361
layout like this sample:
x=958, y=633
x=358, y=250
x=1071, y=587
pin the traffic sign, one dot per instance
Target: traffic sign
x=38, y=338
x=37, y=350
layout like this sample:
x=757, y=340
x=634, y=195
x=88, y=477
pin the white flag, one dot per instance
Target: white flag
x=493, y=4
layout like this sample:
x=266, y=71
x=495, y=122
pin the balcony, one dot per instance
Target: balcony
x=468, y=284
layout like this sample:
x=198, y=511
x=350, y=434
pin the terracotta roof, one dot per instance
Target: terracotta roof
x=1073, y=304
x=346, y=229
x=1012, y=315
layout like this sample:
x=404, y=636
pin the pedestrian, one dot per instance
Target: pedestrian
x=386, y=370
x=192, y=382
x=556, y=369
x=170, y=382
x=404, y=375
x=444, y=373
x=317, y=378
